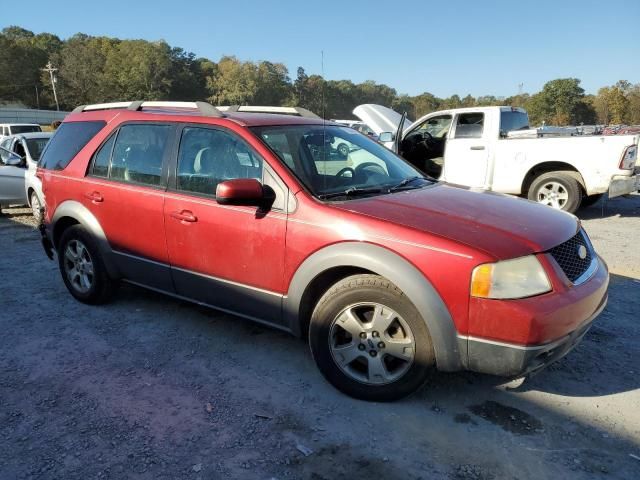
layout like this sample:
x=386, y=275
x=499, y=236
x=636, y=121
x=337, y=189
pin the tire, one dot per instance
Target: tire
x=591, y=200
x=36, y=206
x=403, y=350
x=91, y=288
x=558, y=190
x=343, y=150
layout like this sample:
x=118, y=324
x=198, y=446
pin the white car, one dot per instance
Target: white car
x=8, y=129
x=18, y=183
x=493, y=148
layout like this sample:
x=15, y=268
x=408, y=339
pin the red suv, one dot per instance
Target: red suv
x=388, y=273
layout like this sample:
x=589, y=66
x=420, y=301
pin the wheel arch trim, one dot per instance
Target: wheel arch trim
x=393, y=267
x=76, y=211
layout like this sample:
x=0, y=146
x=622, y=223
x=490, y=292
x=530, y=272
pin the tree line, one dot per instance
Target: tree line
x=103, y=69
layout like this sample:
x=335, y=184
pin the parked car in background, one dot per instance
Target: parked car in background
x=494, y=148
x=29, y=147
x=12, y=173
x=7, y=129
x=387, y=273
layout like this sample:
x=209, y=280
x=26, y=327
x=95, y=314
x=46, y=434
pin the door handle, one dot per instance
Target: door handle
x=184, y=216
x=477, y=147
x=95, y=197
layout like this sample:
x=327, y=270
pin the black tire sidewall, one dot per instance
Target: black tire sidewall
x=341, y=147
x=369, y=288
x=571, y=185
x=34, y=196
x=102, y=285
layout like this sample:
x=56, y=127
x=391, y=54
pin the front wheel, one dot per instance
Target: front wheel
x=343, y=150
x=558, y=190
x=369, y=341
x=82, y=267
x=36, y=207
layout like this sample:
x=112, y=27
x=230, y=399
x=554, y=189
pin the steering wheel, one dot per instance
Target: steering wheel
x=364, y=165
x=427, y=140
x=345, y=170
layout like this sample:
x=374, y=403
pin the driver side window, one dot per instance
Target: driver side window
x=437, y=127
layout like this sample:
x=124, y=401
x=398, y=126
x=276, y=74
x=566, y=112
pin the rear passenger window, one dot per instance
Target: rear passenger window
x=69, y=139
x=101, y=160
x=208, y=157
x=138, y=153
x=469, y=125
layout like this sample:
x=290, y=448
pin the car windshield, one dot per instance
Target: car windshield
x=15, y=129
x=35, y=146
x=338, y=162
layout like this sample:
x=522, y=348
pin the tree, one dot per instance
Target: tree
x=561, y=102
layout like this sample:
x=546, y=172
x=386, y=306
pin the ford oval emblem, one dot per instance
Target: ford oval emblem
x=582, y=252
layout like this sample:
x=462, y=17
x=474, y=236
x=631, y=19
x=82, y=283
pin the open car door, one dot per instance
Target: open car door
x=382, y=119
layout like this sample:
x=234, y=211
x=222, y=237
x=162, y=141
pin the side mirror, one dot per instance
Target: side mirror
x=245, y=191
x=14, y=160
x=386, y=137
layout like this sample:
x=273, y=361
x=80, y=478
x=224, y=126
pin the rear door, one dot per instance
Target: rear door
x=466, y=160
x=231, y=257
x=128, y=176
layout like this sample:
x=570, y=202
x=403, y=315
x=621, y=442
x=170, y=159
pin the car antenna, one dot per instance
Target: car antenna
x=324, y=120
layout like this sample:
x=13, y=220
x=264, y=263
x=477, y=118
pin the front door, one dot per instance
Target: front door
x=126, y=194
x=11, y=181
x=466, y=160
x=230, y=257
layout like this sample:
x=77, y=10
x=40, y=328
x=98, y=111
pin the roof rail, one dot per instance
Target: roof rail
x=298, y=111
x=203, y=107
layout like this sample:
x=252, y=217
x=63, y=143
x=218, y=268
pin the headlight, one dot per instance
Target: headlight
x=517, y=278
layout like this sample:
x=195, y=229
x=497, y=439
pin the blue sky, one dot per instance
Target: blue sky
x=444, y=48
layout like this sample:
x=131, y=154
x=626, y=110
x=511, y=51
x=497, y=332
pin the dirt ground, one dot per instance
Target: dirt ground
x=153, y=388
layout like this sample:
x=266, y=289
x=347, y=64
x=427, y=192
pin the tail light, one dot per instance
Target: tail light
x=629, y=158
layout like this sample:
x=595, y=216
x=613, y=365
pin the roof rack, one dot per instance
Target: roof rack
x=203, y=108
x=298, y=111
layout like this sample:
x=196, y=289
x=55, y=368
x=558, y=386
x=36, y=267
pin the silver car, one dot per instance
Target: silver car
x=18, y=182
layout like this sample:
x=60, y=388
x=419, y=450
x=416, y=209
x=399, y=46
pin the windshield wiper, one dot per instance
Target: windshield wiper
x=353, y=191
x=405, y=182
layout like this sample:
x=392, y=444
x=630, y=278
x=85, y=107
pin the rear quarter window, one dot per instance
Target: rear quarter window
x=65, y=144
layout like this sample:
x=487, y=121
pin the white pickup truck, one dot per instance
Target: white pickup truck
x=493, y=148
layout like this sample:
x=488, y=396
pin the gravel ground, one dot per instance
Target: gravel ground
x=152, y=388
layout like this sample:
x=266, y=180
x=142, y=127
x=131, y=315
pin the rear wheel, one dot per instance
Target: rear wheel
x=369, y=340
x=558, y=190
x=82, y=267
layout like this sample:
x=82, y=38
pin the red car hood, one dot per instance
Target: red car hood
x=499, y=225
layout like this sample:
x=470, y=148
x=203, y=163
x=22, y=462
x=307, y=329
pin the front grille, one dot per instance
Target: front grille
x=566, y=254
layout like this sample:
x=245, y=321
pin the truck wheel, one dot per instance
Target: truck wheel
x=556, y=189
x=591, y=200
x=82, y=268
x=369, y=341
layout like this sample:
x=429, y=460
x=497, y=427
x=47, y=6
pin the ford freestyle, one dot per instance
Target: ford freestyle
x=387, y=272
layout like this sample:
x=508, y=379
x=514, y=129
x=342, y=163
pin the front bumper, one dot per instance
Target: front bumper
x=622, y=185
x=508, y=360
x=515, y=337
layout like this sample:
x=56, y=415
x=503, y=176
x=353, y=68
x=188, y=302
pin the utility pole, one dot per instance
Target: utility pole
x=49, y=68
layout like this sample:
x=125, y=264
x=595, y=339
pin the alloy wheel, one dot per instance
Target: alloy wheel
x=371, y=343
x=78, y=266
x=553, y=194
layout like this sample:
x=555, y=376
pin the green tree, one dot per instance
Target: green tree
x=561, y=102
